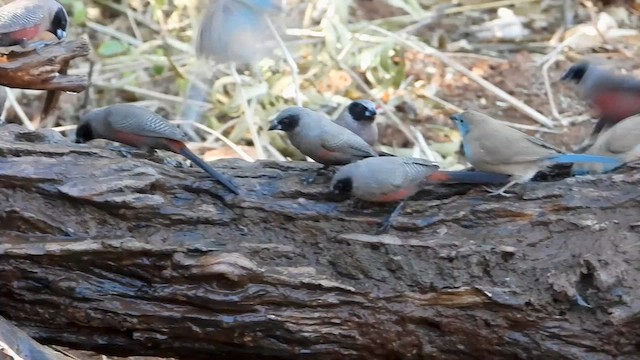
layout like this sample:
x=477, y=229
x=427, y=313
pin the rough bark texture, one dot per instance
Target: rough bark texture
x=40, y=69
x=130, y=256
x=15, y=342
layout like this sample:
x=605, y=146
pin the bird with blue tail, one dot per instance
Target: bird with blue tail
x=235, y=30
x=492, y=146
x=621, y=141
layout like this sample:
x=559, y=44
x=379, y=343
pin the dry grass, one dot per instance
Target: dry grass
x=327, y=53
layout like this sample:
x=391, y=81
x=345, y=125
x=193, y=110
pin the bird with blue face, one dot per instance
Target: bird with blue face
x=492, y=146
x=235, y=30
x=621, y=141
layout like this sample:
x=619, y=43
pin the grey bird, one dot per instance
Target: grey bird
x=144, y=129
x=383, y=180
x=321, y=139
x=32, y=22
x=621, y=141
x=492, y=146
x=614, y=97
x=359, y=117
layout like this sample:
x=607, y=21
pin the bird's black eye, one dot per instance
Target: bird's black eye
x=289, y=123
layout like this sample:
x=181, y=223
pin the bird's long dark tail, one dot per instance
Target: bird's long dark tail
x=467, y=177
x=209, y=170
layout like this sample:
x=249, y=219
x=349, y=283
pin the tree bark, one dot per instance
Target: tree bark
x=40, y=69
x=131, y=256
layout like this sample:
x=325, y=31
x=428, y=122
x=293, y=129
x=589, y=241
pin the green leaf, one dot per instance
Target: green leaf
x=79, y=13
x=112, y=47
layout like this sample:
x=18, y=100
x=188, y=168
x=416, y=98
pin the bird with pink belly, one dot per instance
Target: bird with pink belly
x=32, y=23
x=141, y=128
x=614, y=97
x=383, y=180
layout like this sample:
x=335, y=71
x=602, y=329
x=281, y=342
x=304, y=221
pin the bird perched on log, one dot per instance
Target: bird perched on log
x=614, y=97
x=621, y=141
x=383, y=180
x=359, y=117
x=144, y=129
x=235, y=30
x=492, y=146
x=32, y=23
x=321, y=139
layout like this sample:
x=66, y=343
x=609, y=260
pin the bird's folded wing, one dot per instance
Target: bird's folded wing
x=20, y=16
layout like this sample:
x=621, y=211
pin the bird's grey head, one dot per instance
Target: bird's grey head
x=59, y=22
x=576, y=72
x=287, y=120
x=363, y=110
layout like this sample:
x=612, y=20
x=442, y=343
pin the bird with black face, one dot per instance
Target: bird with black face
x=143, y=129
x=383, y=180
x=359, y=117
x=614, y=97
x=32, y=23
x=319, y=138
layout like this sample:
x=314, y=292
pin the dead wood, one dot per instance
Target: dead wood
x=15, y=342
x=41, y=69
x=129, y=256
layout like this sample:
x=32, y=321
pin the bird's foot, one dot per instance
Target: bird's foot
x=384, y=227
x=494, y=192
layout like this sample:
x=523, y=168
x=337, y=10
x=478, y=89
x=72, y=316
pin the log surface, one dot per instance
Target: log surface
x=131, y=256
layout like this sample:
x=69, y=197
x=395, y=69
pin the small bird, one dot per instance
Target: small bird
x=383, y=180
x=32, y=22
x=235, y=30
x=621, y=141
x=321, y=139
x=359, y=117
x=492, y=146
x=144, y=129
x=614, y=97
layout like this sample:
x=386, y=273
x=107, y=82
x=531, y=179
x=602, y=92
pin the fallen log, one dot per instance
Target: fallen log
x=15, y=344
x=127, y=256
x=41, y=69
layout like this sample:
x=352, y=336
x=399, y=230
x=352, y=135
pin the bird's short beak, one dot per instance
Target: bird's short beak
x=61, y=34
x=566, y=76
x=275, y=126
x=371, y=113
x=455, y=117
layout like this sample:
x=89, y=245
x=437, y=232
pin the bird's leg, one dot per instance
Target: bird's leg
x=501, y=191
x=388, y=221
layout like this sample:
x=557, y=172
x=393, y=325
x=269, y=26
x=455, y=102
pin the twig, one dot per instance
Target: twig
x=23, y=117
x=422, y=143
x=7, y=350
x=114, y=33
x=248, y=112
x=290, y=61
x=424, y=48
x=224, y=139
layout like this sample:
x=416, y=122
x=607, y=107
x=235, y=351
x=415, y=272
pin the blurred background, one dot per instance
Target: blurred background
x=420, y=60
